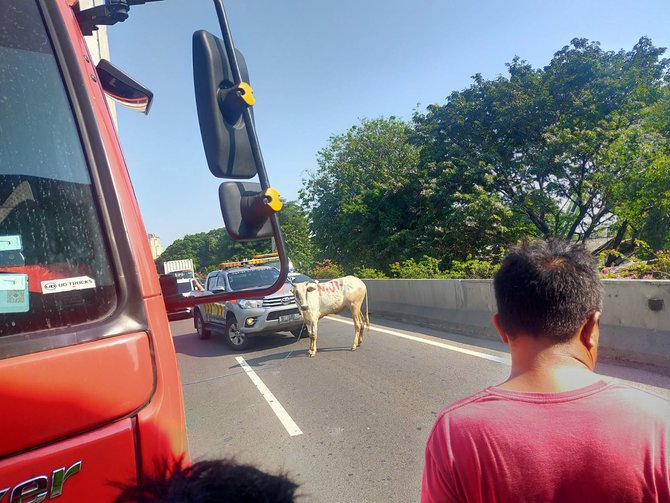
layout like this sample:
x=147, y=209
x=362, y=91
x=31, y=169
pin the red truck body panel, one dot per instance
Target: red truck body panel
x=107, y=456
x=113, y=404
x=56, y=394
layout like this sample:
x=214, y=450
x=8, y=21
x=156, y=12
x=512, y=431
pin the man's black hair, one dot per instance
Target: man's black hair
x=216, y=481
x=547, y=289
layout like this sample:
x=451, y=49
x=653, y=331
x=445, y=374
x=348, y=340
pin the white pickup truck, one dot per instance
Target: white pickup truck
x=240, y=319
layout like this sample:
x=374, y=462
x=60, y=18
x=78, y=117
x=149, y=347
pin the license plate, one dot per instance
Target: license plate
x=288, y=317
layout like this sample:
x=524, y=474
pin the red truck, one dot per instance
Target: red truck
x=89, y=380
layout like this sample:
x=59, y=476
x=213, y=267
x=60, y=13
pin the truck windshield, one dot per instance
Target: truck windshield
x=252, y=278
x=54, y=267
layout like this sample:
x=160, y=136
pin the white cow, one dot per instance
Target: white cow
x=317, y=300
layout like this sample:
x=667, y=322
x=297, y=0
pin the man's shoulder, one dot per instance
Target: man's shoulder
x=640, y=400
x=613, y=392
x=462, y=414
x=466, y=406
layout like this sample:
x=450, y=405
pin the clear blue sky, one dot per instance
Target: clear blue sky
x=318, y=67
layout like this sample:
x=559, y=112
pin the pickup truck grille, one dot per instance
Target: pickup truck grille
x=279, y=301
x=276, y=314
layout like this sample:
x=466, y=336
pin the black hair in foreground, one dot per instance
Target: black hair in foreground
x=214, y=481
x=547, y=289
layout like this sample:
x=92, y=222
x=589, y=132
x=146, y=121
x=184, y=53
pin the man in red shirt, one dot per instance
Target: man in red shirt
x=555, y=430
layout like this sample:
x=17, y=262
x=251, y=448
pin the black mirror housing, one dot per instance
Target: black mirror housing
x=124, y=89
x=224, y=134
x=247, y=210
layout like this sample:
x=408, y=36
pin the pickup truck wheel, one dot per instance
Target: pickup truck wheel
x=203, y=333
x=235, y=339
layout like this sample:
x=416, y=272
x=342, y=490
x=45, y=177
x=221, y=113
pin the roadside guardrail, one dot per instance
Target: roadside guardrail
x=635, y=325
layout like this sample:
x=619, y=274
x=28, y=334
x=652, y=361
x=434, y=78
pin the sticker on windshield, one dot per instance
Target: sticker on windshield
x=14, y=295
x=10, y=251
x=67, y=284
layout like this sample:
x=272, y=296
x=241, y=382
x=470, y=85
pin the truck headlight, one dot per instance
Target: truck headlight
x=250, y=304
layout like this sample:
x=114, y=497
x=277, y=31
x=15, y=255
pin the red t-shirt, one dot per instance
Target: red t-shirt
x=607, y=442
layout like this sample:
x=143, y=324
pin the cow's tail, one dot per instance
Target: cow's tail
x=367, y=305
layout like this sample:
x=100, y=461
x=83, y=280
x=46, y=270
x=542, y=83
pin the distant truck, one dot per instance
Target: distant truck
x=183, y=271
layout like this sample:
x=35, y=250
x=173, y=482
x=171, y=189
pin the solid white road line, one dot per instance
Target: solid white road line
x=280, y=412
x=442, y=345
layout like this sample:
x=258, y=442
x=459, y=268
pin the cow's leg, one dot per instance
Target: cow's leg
x=361, y=322
x=312, y=331
x=358, y=326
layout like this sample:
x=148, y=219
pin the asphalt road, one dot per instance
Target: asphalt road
x=347, y=426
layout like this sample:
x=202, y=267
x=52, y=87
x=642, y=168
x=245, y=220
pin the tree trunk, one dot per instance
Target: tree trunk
x=618, y=239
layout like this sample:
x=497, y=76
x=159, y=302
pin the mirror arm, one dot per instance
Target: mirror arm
x=180, y=301
x=281, y=251
x=255, y=148
x=237, y=77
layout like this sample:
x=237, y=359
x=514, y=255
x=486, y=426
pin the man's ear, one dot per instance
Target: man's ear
x=499, y=328
x=590, y=331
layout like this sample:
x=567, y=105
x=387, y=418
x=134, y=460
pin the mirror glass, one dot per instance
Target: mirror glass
x=123, y=89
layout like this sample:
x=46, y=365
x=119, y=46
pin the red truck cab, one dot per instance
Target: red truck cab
x=88, y=374
x=89, y=381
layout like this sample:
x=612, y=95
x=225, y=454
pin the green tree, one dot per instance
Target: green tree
x=209, y=249
x=642, y=191
x=359, y=200
x=532, y=153
x=295, y=228
x=189, y=247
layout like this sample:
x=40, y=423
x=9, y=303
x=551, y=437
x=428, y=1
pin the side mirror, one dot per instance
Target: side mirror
x=247, y=210
x=123, y=89
x=220, y=104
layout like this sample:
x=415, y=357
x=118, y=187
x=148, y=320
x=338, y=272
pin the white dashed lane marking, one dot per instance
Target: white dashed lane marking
x=277, y=408
x=430, y=342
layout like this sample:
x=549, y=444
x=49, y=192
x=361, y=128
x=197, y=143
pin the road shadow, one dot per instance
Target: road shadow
x=269, y=361
x=190, y=344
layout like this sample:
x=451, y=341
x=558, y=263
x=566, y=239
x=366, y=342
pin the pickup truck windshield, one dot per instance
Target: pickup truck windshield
x=252, y=278
x=54, y=268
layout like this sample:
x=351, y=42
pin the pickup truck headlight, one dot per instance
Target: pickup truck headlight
x=250, y=304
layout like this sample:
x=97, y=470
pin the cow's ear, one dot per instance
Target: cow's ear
x=311, y=288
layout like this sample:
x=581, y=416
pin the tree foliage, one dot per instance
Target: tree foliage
x=578, y=148
x=295, y=228
x=540, y=141
x=359, y=199
x=209, y=249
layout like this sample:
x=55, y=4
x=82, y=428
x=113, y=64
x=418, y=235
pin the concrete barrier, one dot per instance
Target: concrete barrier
x=634, y=327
